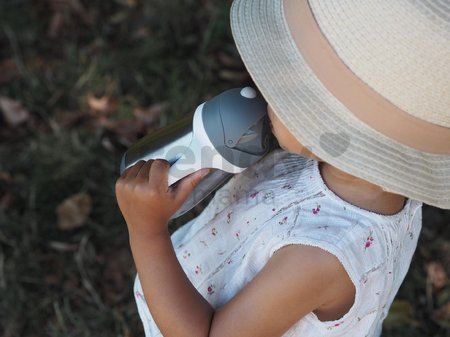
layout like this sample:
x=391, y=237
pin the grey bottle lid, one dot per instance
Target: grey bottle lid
x=239, y=131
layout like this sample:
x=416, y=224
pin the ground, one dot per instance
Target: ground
x=80, y=81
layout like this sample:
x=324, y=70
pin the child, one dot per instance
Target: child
x=314, y=240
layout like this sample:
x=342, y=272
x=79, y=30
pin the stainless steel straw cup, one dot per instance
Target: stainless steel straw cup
x=228, y=133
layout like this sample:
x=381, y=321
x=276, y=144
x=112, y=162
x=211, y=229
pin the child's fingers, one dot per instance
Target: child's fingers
x=159, y=173
x=132, y=171
x=144, y=171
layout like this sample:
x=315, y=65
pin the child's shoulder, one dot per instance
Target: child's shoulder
x=361, y=239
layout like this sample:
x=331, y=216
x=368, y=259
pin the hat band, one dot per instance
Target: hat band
x=360, y=99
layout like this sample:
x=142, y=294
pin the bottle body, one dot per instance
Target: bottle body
x=226, y=134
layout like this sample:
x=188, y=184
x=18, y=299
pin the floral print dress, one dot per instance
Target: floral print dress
x=283, y=200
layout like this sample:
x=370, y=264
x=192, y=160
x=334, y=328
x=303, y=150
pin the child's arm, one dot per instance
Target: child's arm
x=297, y=280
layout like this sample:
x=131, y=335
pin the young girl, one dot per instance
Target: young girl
x=314, y=240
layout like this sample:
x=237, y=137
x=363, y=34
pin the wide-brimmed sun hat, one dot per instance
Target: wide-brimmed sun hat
x=364, y=84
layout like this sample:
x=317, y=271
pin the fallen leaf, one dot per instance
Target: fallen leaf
x=130, y=129
x=74, y=211
x=436, y=275
x=151, y=114
x=101, y=106
x=13, y=111
x=7, y=200
x=59, y=17
x=66, y=119
x=140, y=33
x=8, y=70
x=5, y=176
x=56, y=23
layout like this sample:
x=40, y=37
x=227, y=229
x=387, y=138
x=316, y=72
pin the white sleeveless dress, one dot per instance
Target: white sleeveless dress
x=283, y=200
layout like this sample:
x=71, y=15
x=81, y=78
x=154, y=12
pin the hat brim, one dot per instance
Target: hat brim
x=321, y=122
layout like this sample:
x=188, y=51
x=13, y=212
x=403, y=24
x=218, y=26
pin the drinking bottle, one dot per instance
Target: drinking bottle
x=227, y=134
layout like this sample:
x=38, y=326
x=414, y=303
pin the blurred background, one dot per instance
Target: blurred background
x=80, y=81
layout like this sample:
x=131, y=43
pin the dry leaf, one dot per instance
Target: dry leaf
x=151, y=114
x=74, y=211
x=6, y=177
x=59, y=9
x=56, y=23
x=101, y=106
x=436, y=274
x=130, y=129
x=8, y=70
x=7, y=200
x=66, y=119
x=140, y=33
x=13, y=111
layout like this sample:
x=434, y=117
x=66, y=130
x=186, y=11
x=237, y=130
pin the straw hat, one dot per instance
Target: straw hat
x=364, y=84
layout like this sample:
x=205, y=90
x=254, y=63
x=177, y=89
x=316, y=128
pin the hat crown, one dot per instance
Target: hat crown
x=324, y=69
x=400, y=48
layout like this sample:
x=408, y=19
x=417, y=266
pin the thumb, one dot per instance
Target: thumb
x=185, y=187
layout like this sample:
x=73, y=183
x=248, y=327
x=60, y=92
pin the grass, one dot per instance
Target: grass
x=137, y=54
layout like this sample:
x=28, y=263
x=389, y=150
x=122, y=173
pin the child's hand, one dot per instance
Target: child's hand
x=145, y=199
